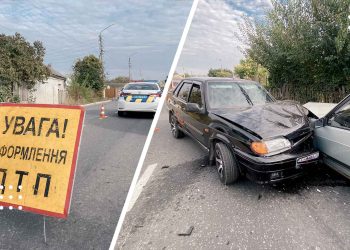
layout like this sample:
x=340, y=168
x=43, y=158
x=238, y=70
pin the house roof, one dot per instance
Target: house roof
x=55, y=73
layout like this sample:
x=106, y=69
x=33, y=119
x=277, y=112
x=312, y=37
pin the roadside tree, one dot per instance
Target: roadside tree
x=21, y=64
x=248, y=69
x=88, y=72
x=120, y=79
x=302, y=43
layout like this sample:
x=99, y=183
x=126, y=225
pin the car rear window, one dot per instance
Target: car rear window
x=141, y=86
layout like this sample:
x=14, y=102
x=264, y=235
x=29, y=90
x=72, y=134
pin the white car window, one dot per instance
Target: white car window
x=341, y=118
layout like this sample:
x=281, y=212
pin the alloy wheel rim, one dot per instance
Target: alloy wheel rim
x=219, y=163
x=173, y=126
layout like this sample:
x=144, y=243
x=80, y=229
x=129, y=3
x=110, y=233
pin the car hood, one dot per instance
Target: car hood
x=269, y=120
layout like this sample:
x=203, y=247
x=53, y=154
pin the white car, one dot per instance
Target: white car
x=139, y=97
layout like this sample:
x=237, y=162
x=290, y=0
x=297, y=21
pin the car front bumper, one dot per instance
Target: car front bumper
x=276, y=168
x=137, y=107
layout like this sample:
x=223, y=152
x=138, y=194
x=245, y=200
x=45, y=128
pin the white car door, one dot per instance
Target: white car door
x=333, y=138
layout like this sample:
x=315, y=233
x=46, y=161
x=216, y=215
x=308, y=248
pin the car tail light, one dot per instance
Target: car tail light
x=159, y=94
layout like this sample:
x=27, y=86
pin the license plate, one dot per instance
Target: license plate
x=133, y=98
x=139, y=96
x=307, y=158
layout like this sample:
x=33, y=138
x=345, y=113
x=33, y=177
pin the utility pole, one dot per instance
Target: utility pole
x=129, y=64
x=129, y=68
x=100, y=42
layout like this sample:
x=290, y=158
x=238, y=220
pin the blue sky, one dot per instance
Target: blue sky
x=213, y=40
x=148, y=30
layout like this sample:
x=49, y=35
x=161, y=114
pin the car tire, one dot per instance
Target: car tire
x=226, y=164
x=121, y=113
x=174, y=128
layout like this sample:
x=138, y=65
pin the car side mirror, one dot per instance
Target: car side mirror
x=194, y=108
x=320, y=123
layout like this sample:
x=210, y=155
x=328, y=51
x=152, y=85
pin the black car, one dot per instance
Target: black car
x=245, y=130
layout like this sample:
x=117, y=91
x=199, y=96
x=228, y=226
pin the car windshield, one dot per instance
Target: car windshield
x=142, y=86
x=233, y=94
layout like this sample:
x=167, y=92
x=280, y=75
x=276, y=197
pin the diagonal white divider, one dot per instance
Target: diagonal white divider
x=153, y=126
x=140, y=184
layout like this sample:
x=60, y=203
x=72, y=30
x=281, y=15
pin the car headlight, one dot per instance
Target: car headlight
x=270, y=147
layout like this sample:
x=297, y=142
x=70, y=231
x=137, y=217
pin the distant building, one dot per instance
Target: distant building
x=52, y=91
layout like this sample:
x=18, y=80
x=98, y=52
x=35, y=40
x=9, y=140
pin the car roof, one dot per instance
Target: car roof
x=143, y=83
x=215, y=79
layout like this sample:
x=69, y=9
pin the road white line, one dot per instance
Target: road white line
x=140, y=184
x=95, y=103
x=154, y=123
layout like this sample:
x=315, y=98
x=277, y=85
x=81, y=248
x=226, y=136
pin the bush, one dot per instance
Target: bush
x=7, y=96
x=304, y=94
x=79, y=94
x=5, y=93
x=220, y=73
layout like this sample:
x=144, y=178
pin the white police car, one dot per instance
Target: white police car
x=139, y=97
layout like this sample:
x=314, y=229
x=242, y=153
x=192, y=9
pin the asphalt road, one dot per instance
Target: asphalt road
x=109, y=152
x=310, y=213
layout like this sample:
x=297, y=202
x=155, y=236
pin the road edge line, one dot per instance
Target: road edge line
x=153, y=125
x=140, y=184
x=95, y=103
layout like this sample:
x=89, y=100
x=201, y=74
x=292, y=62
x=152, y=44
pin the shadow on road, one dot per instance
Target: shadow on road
x=137, y=115
x=319, y=176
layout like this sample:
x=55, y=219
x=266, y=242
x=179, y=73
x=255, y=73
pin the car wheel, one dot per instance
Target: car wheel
x=174, y=127
x=226, y=164
x=121, y=113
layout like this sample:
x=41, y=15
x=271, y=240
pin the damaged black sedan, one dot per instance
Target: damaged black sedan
x=245, y=130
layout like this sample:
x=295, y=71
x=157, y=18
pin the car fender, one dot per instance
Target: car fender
x=215, y=137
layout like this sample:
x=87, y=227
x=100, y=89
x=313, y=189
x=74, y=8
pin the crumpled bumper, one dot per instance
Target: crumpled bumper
x=275, y=168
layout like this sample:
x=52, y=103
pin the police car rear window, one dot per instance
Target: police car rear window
x=141, y=86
